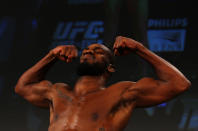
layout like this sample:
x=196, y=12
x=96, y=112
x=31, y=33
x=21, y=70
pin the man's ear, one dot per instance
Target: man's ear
x=111, y=68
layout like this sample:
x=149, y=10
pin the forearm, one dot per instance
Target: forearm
x=37, y=72
x=165, y=71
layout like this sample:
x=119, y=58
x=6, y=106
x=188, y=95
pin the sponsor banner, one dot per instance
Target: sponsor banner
x=166, y=40
x=167, y=25
x=78, y=24
x=79, y=33
x=167, y=34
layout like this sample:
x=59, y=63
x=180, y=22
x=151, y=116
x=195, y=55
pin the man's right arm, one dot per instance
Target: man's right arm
x=32, y=84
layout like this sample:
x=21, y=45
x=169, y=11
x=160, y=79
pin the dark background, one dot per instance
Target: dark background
x=28, y=30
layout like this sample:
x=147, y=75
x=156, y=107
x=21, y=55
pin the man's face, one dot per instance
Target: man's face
x=95, y=53
x=94, y=60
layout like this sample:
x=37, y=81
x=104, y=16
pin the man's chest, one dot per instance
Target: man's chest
x=94, y=106
x=92, y=110
x=89, y=112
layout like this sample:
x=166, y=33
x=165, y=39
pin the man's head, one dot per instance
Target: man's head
x=95, y=60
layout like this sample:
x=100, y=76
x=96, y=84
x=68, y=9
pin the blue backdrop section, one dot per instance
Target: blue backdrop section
x=7, y=29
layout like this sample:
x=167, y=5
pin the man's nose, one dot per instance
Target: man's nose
x=88, y=51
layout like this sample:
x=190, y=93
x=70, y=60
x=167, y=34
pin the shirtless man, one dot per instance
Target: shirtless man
x=89, y=106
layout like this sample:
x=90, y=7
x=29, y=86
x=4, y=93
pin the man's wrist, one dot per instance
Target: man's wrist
x=139, y=47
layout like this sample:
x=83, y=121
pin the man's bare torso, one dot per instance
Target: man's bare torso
x=90, y=107
x=100, y=110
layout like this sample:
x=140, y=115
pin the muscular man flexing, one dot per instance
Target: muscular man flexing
x=89, y=106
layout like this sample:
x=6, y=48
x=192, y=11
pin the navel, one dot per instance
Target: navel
x=101, y=129
x=95, y=116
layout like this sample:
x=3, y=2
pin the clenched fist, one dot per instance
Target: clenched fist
x=124, y=46
x=65, y=52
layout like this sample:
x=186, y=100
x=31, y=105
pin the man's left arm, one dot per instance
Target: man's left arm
x=149, y=91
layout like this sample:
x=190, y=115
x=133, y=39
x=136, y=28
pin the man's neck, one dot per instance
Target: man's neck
x=88, y=84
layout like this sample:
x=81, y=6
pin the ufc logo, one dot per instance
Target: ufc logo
x=70, y=30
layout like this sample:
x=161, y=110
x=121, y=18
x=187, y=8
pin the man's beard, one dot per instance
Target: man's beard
x=95, y=69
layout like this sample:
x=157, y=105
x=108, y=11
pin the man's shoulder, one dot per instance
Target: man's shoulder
x=61, y=85
x=122, y=85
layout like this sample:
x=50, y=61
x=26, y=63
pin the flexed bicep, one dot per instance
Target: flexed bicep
x=37, y=93
x=150, y=92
